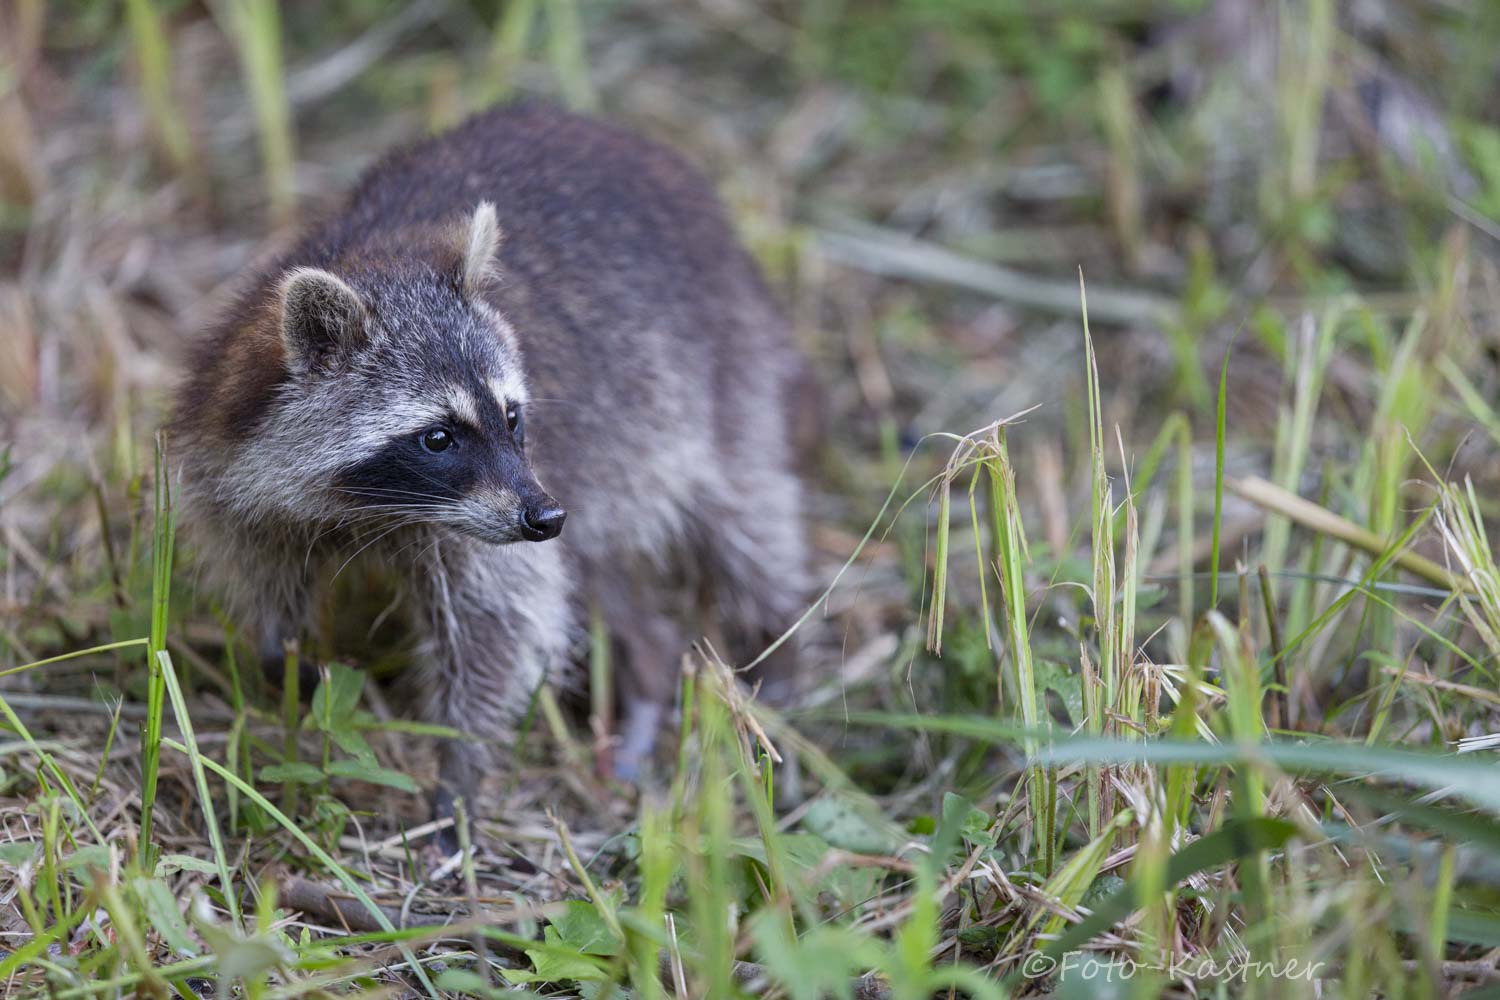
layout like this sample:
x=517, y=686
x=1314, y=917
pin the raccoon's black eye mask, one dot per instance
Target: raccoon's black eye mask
x=436, y=440
x=517, y=424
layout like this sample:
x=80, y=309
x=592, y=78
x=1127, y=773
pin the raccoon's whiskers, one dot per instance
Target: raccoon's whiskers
x=376, y=512
x=345, y=564
x=432, y=538
x=379, y=491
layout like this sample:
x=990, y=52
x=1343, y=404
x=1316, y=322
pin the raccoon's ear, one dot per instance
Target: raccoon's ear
x=321, y=318
x=480, y=247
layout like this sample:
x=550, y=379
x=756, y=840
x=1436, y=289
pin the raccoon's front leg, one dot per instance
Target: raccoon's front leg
x=273, y=593
x=494, y=619
x=649, y=645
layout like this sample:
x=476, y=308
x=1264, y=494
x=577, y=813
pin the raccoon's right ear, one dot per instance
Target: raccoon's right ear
x=481, y=242
x=322, y=318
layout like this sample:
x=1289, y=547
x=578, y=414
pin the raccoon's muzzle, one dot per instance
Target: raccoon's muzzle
x=541, y=520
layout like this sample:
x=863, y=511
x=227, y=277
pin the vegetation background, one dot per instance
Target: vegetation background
x=1176, y=675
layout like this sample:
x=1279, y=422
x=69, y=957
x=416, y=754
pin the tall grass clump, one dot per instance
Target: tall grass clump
x=153, y=58
x=254, y=27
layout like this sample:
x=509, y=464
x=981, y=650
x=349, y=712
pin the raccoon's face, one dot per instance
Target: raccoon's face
x=412, y=388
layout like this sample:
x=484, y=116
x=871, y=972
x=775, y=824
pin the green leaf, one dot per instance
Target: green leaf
x=169, y=864
x=463, y=981
x=296, y=771
x=581, y=927
x=242, y=957
x=975, y=826
x=837, y=822
x=96, y=856
x=349, y=741
x=1104, y=887
x=17, y=853
x=822, y=963
x=1056, y=677
x=572, y=942
x=802, y=849
x=1469, y=778
x=337, y=696
x=1470, y=927
x=162, y=910
x=552, y=967
x=360, y=770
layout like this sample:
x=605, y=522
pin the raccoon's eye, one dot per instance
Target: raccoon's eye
x=514, y=422
x=436, y=440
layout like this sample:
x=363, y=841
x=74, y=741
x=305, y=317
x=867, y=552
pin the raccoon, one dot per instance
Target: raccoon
x=529, y=365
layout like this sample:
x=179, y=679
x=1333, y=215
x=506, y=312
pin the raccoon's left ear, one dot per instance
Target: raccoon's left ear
x=483, y=240
x=322, y=319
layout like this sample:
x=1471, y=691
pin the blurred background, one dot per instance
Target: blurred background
x=1284, y=213
x=922, y=179
x=1312, y=183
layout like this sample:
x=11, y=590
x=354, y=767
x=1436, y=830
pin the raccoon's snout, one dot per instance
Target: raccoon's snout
x=542, y=519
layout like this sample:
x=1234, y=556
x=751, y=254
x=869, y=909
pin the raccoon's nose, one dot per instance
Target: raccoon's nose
x=542, y=521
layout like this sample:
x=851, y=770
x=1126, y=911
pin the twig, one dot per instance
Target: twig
x=331, y=905
x=880, y=251
x=130, y=710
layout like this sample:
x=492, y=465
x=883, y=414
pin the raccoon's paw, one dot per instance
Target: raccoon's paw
x=273, y=669
x=444, y=844
x=632, y=756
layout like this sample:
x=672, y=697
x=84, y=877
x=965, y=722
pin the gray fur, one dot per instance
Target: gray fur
x=654, y=373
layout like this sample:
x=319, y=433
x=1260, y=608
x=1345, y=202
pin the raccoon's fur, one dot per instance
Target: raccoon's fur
x=566, y=303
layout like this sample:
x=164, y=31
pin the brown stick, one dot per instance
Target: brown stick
x=331, y=905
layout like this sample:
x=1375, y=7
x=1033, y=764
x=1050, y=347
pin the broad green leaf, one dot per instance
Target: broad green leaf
x=975, y=825
x=462, y=981
x=161, y=908
x=581, y=927
x=573, y=940
x=1058, y=678
x=17, y=853
x=242, y=957
x=837, y=822
x=551, y=967
x=168, y=864
x=96, y=856
x=296, y=771
x=802, y=849
x=353, y=744
x=360, y=770
x=824, y=962
x=336, y=698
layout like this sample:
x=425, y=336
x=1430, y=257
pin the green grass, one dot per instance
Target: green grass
x=1161, y=675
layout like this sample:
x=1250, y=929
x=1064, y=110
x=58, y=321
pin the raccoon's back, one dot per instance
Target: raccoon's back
x=653, y=350
x=588, y=211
